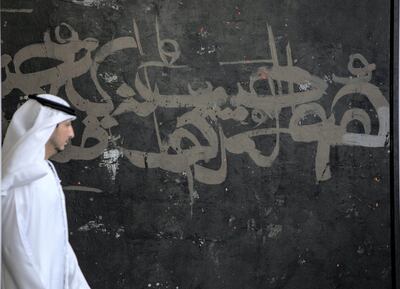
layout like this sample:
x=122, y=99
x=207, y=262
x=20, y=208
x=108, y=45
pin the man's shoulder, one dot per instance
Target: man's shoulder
x=25, y=176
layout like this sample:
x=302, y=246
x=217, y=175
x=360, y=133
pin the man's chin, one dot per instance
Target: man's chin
x=60, y=149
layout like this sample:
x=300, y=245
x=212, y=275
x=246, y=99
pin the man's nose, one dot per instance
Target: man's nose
x=72, y=134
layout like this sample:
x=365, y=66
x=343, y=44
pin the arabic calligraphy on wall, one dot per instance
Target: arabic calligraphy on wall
x=199, y=134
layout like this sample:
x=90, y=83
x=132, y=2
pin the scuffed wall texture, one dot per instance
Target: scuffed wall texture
x=219, y=144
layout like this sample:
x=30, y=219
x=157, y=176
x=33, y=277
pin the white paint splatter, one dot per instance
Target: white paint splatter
x=109, y=77
x=203, y=33
x=110, y=161
x=113, y=4
x=92, y=225
x=305, y=86
x=302, y=261
x=209, y=49
x=328, y=78
x=119, y=232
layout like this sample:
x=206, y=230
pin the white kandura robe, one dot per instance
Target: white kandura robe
x=35, y=247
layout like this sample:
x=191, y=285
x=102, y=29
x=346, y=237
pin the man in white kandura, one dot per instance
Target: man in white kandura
x=36, y=253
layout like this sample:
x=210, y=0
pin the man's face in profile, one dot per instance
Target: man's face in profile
x=62, y=135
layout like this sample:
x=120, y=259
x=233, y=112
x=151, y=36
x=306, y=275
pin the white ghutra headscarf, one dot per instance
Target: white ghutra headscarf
x=30, y=128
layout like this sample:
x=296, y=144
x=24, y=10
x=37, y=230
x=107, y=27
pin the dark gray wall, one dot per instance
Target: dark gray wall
x=219, y=144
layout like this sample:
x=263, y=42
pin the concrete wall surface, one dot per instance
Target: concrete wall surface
x=219, y=144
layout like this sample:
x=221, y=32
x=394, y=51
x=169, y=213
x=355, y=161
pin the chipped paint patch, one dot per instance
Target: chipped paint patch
x=274, y=230
x=110, y=161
